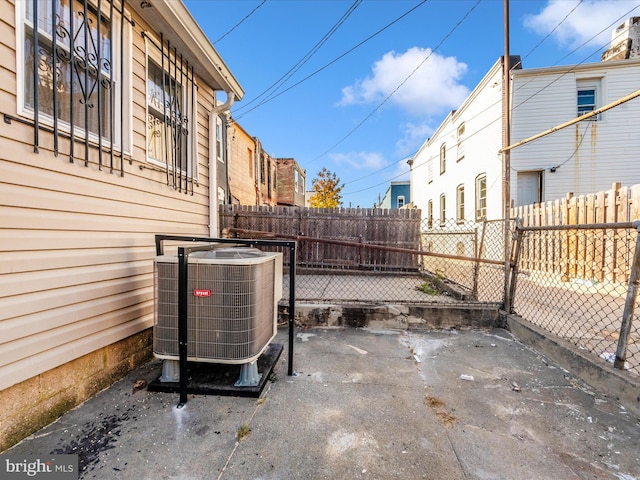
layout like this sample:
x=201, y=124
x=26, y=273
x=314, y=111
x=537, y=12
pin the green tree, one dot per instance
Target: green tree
x=326, y=187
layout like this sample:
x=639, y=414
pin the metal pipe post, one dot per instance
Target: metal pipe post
x=513, y=270
x=292, y=303
x=183, y=299
x=629, y=305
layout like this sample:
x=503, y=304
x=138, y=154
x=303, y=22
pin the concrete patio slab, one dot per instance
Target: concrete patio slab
x=370, y=404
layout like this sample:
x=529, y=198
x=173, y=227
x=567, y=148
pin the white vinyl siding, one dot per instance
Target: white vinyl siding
x=586, y=157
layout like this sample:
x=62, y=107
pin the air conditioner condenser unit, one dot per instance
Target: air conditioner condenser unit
x=233, y=298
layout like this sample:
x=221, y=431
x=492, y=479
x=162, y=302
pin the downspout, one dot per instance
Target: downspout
x=213, y=163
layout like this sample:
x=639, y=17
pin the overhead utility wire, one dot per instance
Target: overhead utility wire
x=378, y=184
x=240, y=22
x=549, y=34
x=399, y=86
x=283, y=79
x=573, y=68
x=551, y=83
x=377, y=171
x=337, y=58
x=488, y=124
x=478, y=132
x=573, y=51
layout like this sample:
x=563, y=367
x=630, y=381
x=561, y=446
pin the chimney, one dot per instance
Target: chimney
x=625, y=41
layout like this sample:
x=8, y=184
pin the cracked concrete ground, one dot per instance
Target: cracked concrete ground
x=377, y=404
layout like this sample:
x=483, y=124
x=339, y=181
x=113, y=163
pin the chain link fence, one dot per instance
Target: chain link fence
x=573, y=281
x=570, y=280
x=468, y=256
x=362, y=260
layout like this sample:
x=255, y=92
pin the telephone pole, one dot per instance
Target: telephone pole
x=506, y=154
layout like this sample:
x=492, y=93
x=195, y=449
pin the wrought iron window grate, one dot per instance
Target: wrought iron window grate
x=70, y=83
x=171, y=100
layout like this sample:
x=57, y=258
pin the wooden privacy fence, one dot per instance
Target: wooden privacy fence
x=398, y=228
x=598, y=247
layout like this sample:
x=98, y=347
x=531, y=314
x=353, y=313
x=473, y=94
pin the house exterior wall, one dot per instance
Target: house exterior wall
x=396, y=190
x=267, y=176
x=242, y=166
x=77, y=245
x=586, y=157
x=469, y=155
x=290, y=192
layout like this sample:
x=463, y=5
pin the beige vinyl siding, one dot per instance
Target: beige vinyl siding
x=76, y=242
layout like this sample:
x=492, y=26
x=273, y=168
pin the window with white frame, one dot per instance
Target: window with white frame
x=443, y=158
x=443, y=210
x=460, y=203
x=481, y=197
x=219, y=140
x=400, y=201
x=587, y=93
x=171, y=113
x=73, y=70
x=430, y=214
x=430, y=170
x=460, y=142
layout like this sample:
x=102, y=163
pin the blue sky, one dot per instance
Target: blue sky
x=341, y=84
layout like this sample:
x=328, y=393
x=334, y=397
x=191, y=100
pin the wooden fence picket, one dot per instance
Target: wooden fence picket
x=600, y=255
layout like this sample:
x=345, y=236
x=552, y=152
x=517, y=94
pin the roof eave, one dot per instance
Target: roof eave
x=176, y=22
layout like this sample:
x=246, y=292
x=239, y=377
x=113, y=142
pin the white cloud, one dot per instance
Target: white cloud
x=431, y=82
x=414, y=136
x=360, y=160
x=583, y=25
x=401, y=171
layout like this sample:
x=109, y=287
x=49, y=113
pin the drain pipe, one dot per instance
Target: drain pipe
x=213, y=162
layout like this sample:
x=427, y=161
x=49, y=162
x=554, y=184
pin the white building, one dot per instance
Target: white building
x=586, y=157
x=457, y=173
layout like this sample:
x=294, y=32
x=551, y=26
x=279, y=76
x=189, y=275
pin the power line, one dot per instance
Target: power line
x=400, y=85
x=240, y=22
x=376, y=172
x=283, y=79
x=570, y=70
x=550, y=33
x=335, y=59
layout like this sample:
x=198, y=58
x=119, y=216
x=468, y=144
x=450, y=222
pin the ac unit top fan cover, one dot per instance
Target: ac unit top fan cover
x=233, y=298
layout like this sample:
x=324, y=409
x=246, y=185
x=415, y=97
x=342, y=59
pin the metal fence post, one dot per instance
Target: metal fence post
x=629, y=306
x=512, y=273
x=476, y=266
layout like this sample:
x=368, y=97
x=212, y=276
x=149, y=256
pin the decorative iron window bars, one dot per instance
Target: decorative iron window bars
x=69, y=53
x=171, y=114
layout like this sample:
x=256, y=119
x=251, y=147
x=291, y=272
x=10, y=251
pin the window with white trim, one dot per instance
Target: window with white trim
x=460, y=143
x=443, y=210
x=400, y=201
x=481, y=197
x=171, y=114
x=219, y=140
x=73, y=73
x=460, y=203
x=587, y=97
x=443, y=158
